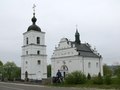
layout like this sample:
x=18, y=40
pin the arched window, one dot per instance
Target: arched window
x=26, y=75
x=26, y=62
x=39, y=62
x=64, y=70
x=97, y=64
x=38, y=52
x=38, y=40
x=89, y=65
x=27, y=40
x=26, y=52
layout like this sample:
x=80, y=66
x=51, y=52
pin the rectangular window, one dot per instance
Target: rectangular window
x=39, y=62
x=38, y=40
x=27, y=40
x=38, y=52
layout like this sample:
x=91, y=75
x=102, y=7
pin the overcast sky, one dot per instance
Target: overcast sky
x=98, y=24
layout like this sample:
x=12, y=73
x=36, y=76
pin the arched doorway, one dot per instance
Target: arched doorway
x=38, y=75
x=64, y=70
x=26, y=76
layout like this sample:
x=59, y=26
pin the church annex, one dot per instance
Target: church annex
x=71, y=56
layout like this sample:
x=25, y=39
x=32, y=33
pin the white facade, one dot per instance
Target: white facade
x=34, y=57
x=67, y=59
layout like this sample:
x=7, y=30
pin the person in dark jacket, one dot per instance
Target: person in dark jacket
x=59, y=76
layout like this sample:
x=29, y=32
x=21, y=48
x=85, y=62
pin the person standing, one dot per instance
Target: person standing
x=59, y=76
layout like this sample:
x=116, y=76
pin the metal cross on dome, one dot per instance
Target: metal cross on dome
x=34, y=8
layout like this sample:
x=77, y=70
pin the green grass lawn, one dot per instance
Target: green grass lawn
x=112, y=86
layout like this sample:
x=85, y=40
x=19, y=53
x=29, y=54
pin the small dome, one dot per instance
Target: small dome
x=34, y=19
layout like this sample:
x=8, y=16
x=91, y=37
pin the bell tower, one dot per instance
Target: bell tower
x=34, y=57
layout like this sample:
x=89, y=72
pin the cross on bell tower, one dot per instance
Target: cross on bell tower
x=34, y=9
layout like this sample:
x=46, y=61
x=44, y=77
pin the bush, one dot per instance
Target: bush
x=107, y=79
x=75, y=78
x=88, y=76
x=115, y=80
x=99, y=75
x=97, y=79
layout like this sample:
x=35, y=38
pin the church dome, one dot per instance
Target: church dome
x=34, y=26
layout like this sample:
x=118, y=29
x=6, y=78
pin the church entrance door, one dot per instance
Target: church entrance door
x=64, y=70
x=26, y=76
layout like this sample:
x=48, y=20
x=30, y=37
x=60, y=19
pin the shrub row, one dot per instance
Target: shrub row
x=79, y=78
x=75, y=78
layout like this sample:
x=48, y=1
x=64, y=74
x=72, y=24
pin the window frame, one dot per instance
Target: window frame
x=27, y=41
x=38, y=62
x=38, y=40
x=89, y=65
x=97, y=64
x=38, y=52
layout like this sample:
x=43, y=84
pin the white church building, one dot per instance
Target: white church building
x=71, y=56
x=34, y=57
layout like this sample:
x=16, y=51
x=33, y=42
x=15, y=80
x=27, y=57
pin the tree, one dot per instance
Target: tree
x=1, y=64
x=49, y=70
x=1, y=69
x=117, y=71
x=107, y=79
x=106, y=70
x=11, y=71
